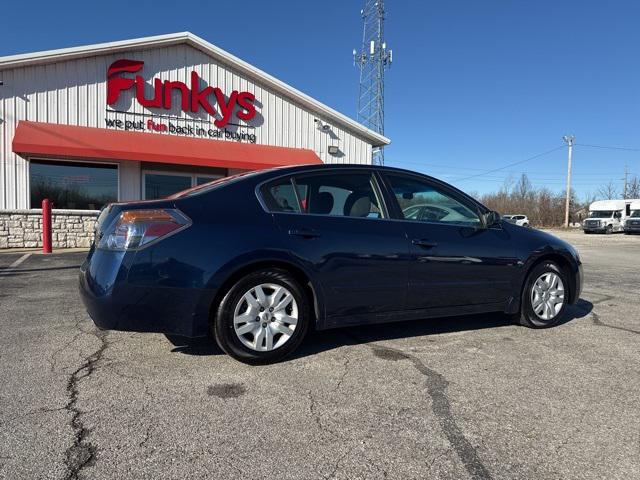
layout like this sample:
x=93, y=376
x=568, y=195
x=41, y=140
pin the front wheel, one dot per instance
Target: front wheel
x=263, y=317
x=544, y=297
x=608, y=230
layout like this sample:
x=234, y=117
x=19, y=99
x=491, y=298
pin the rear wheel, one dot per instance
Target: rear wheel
x=545, y=296
x=263, y=317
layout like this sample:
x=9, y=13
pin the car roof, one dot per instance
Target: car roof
x=289, y=170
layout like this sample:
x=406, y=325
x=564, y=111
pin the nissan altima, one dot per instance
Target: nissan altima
x=257, y=259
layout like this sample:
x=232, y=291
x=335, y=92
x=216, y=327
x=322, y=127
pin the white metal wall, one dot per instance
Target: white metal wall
x=74, y=93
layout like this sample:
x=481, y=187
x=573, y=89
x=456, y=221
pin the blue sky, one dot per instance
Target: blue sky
x=475, y=85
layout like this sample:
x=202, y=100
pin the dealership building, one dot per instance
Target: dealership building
x=144, y=118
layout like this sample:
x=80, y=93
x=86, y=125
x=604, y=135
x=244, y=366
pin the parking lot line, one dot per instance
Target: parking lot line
x=15, y=264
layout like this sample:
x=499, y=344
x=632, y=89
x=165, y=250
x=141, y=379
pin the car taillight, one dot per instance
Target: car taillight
x=137, y=228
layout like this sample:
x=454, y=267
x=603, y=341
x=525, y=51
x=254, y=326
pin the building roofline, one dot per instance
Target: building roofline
x=50, y=56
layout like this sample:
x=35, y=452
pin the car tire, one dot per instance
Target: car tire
x=253, y=348
x=608, y=229
x=530, y=313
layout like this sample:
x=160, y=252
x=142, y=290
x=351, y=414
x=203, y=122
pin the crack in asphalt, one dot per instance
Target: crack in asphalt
x=81, y=453
x=145, y=409
x=336, y=465
x=441, y=407
x=600, y=323
x=52, y=360
x=596, y=317
x=316, y=416
x=345, y=370
x=605, y=297
x=147, y=436
x=313, y=403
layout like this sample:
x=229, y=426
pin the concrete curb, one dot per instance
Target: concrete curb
x=38, y=251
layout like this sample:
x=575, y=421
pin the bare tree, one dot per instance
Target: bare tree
x=589, y=198
x=608, y=191
x=633, y=187
x=542, y=206
x=523, y=187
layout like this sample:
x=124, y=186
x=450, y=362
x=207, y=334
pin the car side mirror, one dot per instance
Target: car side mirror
x=491, y=219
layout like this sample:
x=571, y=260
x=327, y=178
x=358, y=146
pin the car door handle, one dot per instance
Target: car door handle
x=304, y=232
x=424, y=243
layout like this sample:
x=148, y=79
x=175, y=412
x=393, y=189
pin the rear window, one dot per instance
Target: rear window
x=280, y=196
x=213, y=185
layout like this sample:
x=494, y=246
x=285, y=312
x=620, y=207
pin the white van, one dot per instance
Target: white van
x=632, y=223
x=606, y=216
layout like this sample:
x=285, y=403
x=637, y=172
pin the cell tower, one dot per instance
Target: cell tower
x=373, y=59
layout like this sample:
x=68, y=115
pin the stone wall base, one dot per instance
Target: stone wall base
x=69, y=228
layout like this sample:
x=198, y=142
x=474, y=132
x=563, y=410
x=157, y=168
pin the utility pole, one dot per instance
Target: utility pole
x=569, y=141
x=626, y=174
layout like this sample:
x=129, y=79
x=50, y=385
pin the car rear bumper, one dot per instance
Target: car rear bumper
x=114, y=304
x=632, y=228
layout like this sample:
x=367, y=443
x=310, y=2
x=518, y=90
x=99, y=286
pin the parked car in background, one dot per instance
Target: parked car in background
x=632, y=223
x=437, y=213
x=258, y=259
x=520, y=220
x=606, y=216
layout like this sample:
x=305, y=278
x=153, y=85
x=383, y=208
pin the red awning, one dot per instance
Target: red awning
x=51, y=140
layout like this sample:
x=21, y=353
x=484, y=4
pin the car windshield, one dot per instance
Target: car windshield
x=635, y=213
x=601, y=214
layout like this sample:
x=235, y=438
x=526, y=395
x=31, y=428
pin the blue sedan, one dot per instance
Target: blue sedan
x=258, y=259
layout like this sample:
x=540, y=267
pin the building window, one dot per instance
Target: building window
x=73, y=185
x=162, y=184
x=159, y=185
x=200, y=180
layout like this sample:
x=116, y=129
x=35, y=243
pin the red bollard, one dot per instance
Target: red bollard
x=46, y=226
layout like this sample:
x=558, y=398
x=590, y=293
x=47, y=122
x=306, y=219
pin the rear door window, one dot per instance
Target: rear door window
x=348, y=194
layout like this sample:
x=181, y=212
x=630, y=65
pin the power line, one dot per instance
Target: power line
x=512, y=164
x=547, y=182
x=628, y=149
x=452, y=169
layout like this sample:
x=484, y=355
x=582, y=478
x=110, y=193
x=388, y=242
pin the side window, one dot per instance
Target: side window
x=339, y=194
x=280, y=196
x=419, y=200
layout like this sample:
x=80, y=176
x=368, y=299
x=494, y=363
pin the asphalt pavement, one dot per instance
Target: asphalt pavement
x=457, y=398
